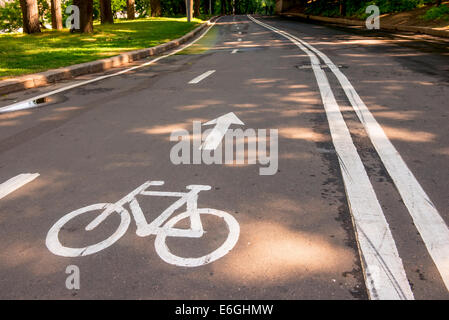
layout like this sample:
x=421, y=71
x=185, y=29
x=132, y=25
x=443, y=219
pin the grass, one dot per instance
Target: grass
x=23, y=54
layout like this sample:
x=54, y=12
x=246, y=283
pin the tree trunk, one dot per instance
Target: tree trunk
x=30, y=16
x=205, y=6
x=342, y=7
x=189, y=9
x=196, y=8
x=223, y=6
x=86, y=15
x=156, y=10
x=130, y=11
x=106, y=15
x=56, y=15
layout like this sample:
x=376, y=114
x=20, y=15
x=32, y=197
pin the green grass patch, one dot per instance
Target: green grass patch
x=23, y=54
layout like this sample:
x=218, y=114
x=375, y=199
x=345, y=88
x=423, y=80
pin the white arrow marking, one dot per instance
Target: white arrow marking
x=221, y=126
x=16, y=182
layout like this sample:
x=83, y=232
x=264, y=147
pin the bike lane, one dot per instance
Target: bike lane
x=106, y=139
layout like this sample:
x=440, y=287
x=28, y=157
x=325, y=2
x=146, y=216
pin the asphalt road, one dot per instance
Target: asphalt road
x=294, y=230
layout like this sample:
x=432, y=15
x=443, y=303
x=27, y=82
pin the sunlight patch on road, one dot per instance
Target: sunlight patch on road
x=407, y=135
x=271, y=251
x=299, y=133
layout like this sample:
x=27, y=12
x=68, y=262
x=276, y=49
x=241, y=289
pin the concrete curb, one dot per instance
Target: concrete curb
x=423, y=30
x=44, y=78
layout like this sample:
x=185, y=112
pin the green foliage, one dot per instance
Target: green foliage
x=437, y=13
x=143, y=8
x=44, y=11
x=357, y=7
x=10, y=16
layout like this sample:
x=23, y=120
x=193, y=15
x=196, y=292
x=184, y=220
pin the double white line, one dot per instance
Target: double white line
x=384, y=272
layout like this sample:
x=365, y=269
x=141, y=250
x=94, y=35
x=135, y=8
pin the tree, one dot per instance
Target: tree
x=223, y=6
x=189, y=9
x=342, y=7
x=86, y=15
x=156, y=10
x=130, y=11
x=30, y=16
x=56, y=15
x=106, y=15
x=196, y=8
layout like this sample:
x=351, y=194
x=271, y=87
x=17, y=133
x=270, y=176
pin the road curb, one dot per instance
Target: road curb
x=385, y=27
x=53, y=75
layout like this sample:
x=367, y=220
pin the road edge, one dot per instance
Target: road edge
x=44, y=78
x=383, y=27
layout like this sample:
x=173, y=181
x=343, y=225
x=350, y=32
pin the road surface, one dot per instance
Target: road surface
x=348, y=211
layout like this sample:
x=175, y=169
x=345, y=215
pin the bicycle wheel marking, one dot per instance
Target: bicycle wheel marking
x=164, y=252
x=163, y=226
x=55, y=246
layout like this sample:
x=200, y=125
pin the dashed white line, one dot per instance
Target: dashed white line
x=383, y=268
x=201, y=77
x=16, y=182
x=239, y=39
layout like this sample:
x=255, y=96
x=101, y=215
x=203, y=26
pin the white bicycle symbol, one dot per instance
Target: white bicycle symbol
x=157, y=227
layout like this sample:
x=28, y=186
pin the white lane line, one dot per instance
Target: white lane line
x=26, y=104
x=240, y=32
x=239, y=39
x=234, y=51
x=16, y=182
x=201, y=76
x=384, y=272
x=427, y=219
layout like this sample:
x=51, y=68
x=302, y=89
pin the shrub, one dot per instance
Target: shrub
x=10, y=16
x=437, y=13
x=357, y=7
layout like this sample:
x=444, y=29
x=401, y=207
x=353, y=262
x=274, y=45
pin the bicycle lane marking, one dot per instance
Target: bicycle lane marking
x=162, y=226
x=29, y=103
x=383, y=269
x=16, y=182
